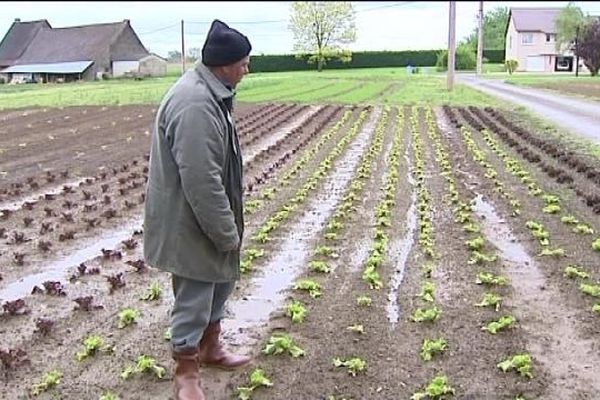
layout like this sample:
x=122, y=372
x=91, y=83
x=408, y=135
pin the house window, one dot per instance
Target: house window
x=527, y=38
x=550, y=37
x=510, y=42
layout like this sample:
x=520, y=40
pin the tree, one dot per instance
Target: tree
x=570, y=20
x=174, y=56
x=494, y=30
x=588, y=47
x=193, y=54
x=321, y=29
x=465, y=59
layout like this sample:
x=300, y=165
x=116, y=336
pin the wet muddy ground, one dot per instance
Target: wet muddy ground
x=71, y=226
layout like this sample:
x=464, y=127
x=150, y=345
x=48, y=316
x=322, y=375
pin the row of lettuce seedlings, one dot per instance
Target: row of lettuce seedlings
x=262, y=236
x=438, y=387
x=476, y=245
x=279, y=159
x=551, y=205
x=251, y=206
x=321, y=262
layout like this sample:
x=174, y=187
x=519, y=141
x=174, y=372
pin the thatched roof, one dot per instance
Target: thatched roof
x=18, y=37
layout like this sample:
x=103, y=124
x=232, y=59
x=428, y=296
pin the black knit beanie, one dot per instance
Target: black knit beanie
x=224, y=45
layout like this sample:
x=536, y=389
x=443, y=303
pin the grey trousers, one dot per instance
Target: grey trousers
x=196, y=305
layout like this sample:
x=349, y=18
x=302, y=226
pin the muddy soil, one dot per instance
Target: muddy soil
x=554, y=324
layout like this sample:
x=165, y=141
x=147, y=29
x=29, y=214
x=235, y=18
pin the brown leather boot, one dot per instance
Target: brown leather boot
x=187, y=377
x=211, y=352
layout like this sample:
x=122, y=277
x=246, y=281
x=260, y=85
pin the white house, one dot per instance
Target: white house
x=530, y=39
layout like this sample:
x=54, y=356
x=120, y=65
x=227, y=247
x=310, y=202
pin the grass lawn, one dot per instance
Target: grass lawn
x=372, y=86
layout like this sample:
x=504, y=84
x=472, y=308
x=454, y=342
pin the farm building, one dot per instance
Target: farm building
x=34, y=51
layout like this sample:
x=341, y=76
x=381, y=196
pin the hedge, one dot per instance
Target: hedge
x=362, y=59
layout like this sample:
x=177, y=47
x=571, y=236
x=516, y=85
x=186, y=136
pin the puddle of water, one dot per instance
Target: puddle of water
x=400, y=249
x=554, y=339
x=268, y=290
x=57, y=270
x=17, y=204
x=279, y=134
x=522, y=266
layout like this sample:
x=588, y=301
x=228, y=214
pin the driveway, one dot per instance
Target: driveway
x=574, y=115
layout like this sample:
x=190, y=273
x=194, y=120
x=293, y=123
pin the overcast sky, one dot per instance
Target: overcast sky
x=396, y=25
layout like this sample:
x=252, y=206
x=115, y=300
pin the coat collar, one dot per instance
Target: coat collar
x=215, y=85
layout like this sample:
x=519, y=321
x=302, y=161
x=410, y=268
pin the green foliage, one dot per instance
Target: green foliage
x=296, y=311
x=511, y=65
x=491, y=279
x=591, y=290
x=596, y=308
x=551, y=209
x=490, y=300
x=358, y=328
x=49, y=380
x=494, y=327
x=326, y=251
x=320, y=266
x=92, y=344
x=363, y=59
x=427, y=291
x=364, y=301
x=568, y=22
x=154, y=292
x=109, y=396
x=144, y=364
x=596, y=244
x=572, y=271
x=557, y=252
x=583, y=229
x=127, y=317
x=432, y=347
x=430, y=314
x=282, y=343
x=257, y=379
x=321, y=30
x=494, y=37
x=353, y=365
x=520, y=362
x=436, y=390
x=464, y=59
x=475, y=244
x=312, y=287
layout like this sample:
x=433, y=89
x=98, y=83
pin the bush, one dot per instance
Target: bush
x=511, y=65
x=464, y=59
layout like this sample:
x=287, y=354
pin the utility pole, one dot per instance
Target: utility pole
x=451, y=45
x=182, y=50
x=480, y=39
x=577, y=51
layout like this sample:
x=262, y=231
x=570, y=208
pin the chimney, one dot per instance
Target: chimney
x=17, y=19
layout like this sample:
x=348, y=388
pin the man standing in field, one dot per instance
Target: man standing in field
x=193, y=222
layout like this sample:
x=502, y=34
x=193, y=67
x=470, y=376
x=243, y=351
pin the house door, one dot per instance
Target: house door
x=535, y=64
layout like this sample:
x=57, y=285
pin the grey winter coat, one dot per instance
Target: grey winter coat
x=193, y=222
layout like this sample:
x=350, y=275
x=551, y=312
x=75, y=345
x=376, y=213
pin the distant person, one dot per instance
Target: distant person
x=193, y=222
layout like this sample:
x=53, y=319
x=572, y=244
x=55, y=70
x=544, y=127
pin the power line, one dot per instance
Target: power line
x=403, y=3
x=159, y=29
x=239, y=22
